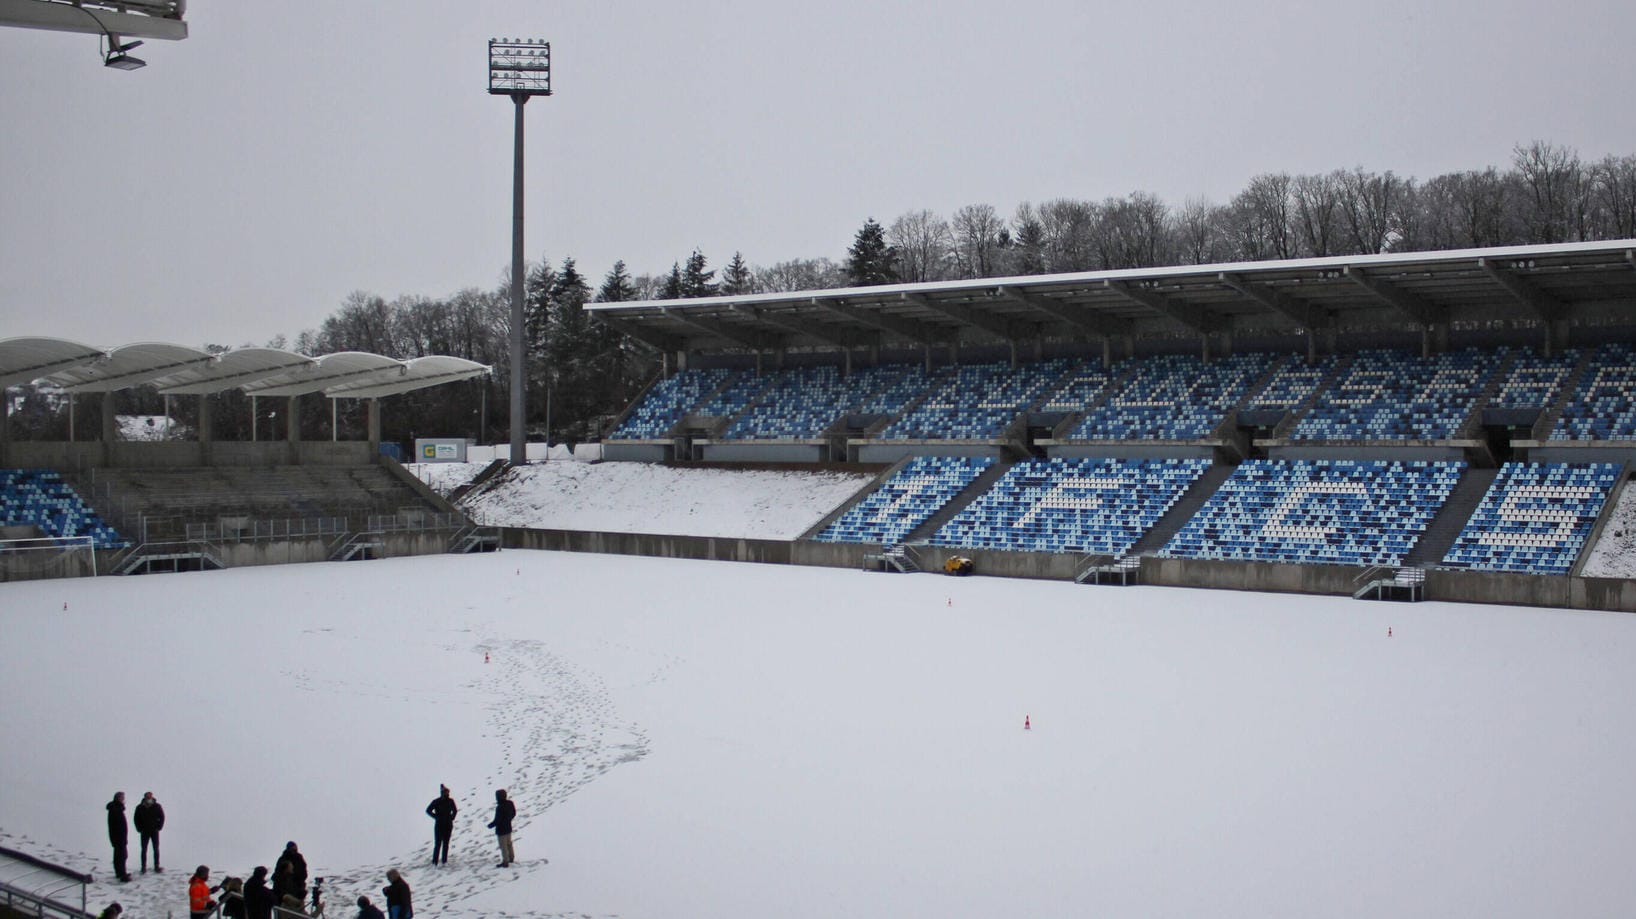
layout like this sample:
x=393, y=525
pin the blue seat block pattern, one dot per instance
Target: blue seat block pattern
x=802, y=403
x=40, y=498
x=1294, y=383
x=1535, y=381
x=1397, y=395
x=918, y=490
x=1603, y=405
x=976, y=401
x=1088, y=505
x=1535, y=518
x=1172, y=397
x=1338, y=512
x=669, y=401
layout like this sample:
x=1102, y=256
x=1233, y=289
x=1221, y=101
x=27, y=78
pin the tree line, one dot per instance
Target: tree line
x=582, y=373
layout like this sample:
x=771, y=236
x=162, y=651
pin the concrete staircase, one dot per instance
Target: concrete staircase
x=1183, y=510
x=1445, y=527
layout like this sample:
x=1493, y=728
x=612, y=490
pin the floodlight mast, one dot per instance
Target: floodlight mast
x=519, y=68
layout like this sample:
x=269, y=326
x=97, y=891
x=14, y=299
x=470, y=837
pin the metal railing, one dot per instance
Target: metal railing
x=31, y=886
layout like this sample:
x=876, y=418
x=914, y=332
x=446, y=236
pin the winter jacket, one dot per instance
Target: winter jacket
x=118, y=832
x=442, y=810
x=258, y=900
x=504, y=811
x=148, y=817
x=298, y=878
x=397, y=899
x=198, y=896
x=370, y=912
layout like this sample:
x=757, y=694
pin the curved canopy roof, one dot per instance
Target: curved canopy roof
x=181, y=370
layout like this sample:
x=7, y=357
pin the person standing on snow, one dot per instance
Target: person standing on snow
x=442, y=811
x=119, y=833
x=258, y=900
x=290, y=874
x=149, y=818
x=504, y=813
x=398, y=904
x=199, y=904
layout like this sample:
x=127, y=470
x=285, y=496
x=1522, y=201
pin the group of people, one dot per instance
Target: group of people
x=149, y=818
x=442, y=810
x=255, y=899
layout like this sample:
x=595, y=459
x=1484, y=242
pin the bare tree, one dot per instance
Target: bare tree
x=978, y=240
x=924, y=245
x=1552, y=182
x=1131, y=231
x=1260, y=219
x=800, y=274
x=1614, y=183
x=1318, y=212
x=1196, y=230
x=1069, y=235
x=1369, y=201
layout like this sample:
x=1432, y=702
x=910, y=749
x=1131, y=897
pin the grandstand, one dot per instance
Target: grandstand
x=1303, y=425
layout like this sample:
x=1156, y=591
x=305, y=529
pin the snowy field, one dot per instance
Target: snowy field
x=703, y=739
x=650, y=498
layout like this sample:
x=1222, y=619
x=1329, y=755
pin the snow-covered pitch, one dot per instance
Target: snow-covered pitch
x=703, y=739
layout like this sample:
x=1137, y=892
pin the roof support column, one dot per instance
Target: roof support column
x=70, y=417
x=108, y=428
x=374, y=425
x=5, y=426
x=846, y=363
x=335, y=421
x=292, y=428
x=207, y=428
x=1107, y=352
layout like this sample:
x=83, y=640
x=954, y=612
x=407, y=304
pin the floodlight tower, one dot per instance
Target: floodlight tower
x=519, y=68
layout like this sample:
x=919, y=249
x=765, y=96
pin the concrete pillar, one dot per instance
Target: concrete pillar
x=293, y=422
x=70, y=417
x=1107, y=353
x=846, y=363
x=108, y=417
x=1312, y=346
x=254, y=420
x=5, y=425
x=207, y=428
x=1204, y=349
x=375, y=425
x=1013, y=344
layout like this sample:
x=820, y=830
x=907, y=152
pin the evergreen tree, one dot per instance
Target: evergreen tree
x=617, y=287
x=672, y=289
x=736, y=277
x=696, y=282
x=870, y=260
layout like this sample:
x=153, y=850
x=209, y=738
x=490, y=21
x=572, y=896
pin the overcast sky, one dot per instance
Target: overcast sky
x=288, y=153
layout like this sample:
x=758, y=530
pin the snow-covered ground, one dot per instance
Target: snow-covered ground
x=1614, y=553
x=705, y=739
x=150, y=428
x=650, y=498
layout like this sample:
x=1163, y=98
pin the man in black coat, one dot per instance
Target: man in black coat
x=149, y=818
x=504, y=813
x=292, y=882
x=442, y=811
x=118, y=834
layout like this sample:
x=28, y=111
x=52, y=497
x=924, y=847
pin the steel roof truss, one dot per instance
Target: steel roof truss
x=1188, y=315
x=1410, y=305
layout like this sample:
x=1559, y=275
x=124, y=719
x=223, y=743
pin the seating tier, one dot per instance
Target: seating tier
x=1396, y=395
x=915, y=492
x=1535, y=518
x=41, y=499
x=1090, y=505
x=1318, y=512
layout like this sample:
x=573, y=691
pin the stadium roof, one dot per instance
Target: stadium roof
x=1425, y=289
x=181, y=370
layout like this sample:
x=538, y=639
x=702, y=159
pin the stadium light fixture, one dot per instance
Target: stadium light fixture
x=117, y=55
x=519, y=68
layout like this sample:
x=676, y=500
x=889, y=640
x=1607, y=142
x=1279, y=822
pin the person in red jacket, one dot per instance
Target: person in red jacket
x=199, y=890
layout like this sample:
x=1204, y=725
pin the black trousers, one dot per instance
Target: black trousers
x=147, y=839
x=440, y=843
x=119, y=861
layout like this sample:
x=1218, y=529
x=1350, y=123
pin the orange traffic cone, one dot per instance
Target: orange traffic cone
x=1027, y=725
x=1388, y=631
x=485, y=657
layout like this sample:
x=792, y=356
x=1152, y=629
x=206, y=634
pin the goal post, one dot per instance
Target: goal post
x=34, y=558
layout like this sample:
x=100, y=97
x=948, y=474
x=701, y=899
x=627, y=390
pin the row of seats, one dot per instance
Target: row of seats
x=1603, y=405
x=1173, y=397
x=668, y=401
x=976, y=401
x=1096, y=506
x=1534, y=518
x=1340, y=512
x=1379, y=395
x=917, y=491
x=40, y=498
x=1396, y=395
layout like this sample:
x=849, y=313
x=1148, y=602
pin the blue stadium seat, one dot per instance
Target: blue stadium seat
x=41, y=499
x=1535, y=518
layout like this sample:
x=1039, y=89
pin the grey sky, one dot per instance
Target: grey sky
x=288, y=153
